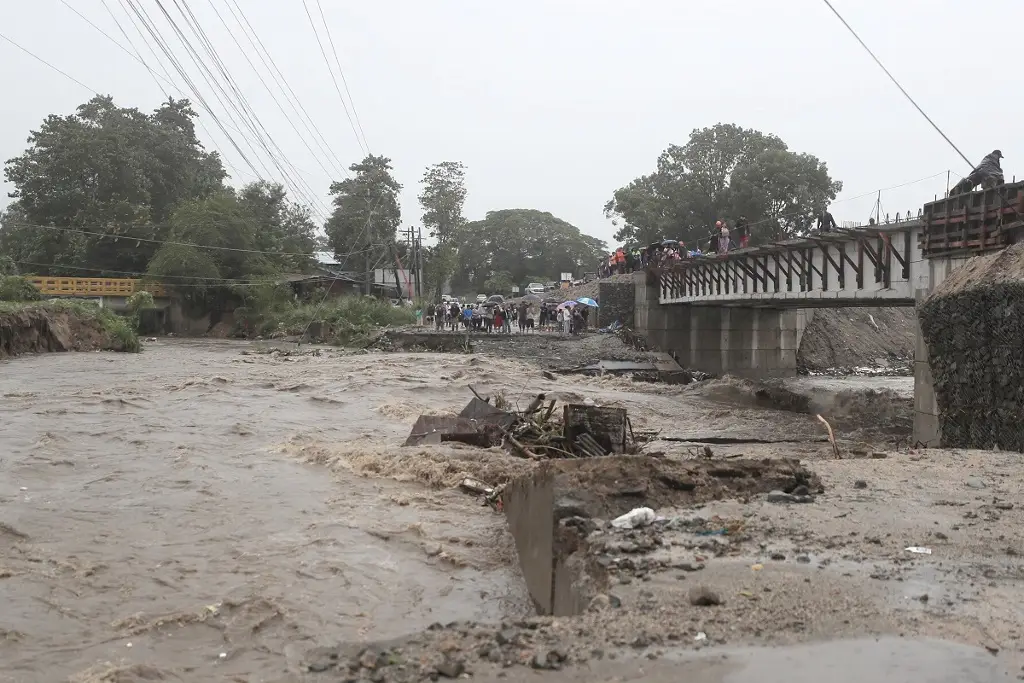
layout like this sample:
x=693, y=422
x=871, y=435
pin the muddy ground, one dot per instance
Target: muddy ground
x=851, y=340
x=235, y=511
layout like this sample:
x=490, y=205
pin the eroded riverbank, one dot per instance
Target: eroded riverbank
x=200, y=500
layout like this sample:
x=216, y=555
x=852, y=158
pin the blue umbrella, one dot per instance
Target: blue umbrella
x=587, y=301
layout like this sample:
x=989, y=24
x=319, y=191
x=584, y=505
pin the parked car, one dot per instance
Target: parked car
x=481, y=298
x=535, y=288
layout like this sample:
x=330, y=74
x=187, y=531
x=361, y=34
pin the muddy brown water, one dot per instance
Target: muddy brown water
x=160, y=509
x=143, y=491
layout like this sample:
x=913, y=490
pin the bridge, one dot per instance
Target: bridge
x=744, y=312
x=85, y=287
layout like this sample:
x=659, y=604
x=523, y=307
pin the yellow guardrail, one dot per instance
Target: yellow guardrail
x=90, y=286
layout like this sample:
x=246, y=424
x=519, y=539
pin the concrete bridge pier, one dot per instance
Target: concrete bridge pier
x=745, y=341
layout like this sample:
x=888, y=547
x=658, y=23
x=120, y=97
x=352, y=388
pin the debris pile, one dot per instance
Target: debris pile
x=542, y=430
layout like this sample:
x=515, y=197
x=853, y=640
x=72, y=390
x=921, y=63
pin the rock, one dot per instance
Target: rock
x=974, y=483
x=860, y=484
x=320, y=665
x=702, y=596
x=878, y=455
x=369, y=659
x=540, y=661
x=450, y=668
x=778, y=557
x=800, y=490
x=941, y=536
x=783, y=497
x=566, y=506
x=599, y=602
x=689, y=566
x=803, y=559
x=923, y=597
x=779, y=497
x=506, y=636
x=1003, y=506
x=614, y=600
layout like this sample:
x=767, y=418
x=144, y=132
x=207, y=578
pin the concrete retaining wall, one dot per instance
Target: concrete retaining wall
x=553, y=559
x=530, y=511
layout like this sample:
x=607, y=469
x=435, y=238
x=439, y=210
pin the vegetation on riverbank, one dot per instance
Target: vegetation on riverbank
x=62, y=325
x=271, y=312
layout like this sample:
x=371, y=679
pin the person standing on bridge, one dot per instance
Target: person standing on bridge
x=825, y=222
x=723, y=237
x=742, y=231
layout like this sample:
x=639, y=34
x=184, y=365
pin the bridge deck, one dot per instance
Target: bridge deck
x=92, y=287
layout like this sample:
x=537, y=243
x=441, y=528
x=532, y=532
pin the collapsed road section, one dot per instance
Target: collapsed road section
x=590, y=472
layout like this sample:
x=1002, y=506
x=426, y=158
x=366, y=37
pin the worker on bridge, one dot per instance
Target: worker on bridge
x=825, y=222
x=989, y=173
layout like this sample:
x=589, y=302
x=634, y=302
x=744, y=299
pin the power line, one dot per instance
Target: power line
x=38, y=58
x=897, y=83
x=279, y=77
x=130, y=238
x=137, y=56
x=362, y=145
x=274, y=97
x=235, y=97
x=138, y=274
x=341, y=71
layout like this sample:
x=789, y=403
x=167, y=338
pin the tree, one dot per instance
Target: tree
x=714, y=176
x=522, y=244
x=366, y=212
x=114, y=172
x=442, y=199
x=785, y=191
x=279, y=225
x=224, y=227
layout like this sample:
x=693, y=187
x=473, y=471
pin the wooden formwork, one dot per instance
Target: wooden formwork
x=973, y=222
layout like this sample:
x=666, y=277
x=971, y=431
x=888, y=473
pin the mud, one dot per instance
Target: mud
x=36, y=330
x=844, y=341
x=160, y=510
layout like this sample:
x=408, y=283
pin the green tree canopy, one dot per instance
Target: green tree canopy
x=442, y=198
x=109, y=170
x=723, y=172
x=366, y=212
x=279, y=225
x=516, y=245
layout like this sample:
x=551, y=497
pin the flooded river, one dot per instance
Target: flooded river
x=149, y=513
x=197, y=511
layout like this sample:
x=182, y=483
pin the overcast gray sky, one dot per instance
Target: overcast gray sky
x=554, y=104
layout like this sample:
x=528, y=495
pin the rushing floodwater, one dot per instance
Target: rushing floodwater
x=148, y=515
x=159, y=515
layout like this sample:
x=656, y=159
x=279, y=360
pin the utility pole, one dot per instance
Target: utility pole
x=419, y=264
x=367, y=274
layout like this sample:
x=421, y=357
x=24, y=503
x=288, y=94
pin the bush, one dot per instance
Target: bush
x=14, y=288
x=346, y=319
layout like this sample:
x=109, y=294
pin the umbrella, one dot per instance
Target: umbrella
x=531, y=298
x=667, y=243
x=496, y=299
x=565, y=304
x=587, y=301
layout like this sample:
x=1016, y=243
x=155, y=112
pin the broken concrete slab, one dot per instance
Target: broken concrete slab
x=435, y=429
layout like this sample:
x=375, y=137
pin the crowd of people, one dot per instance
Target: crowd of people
x=721, y=240
x=566, y=318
